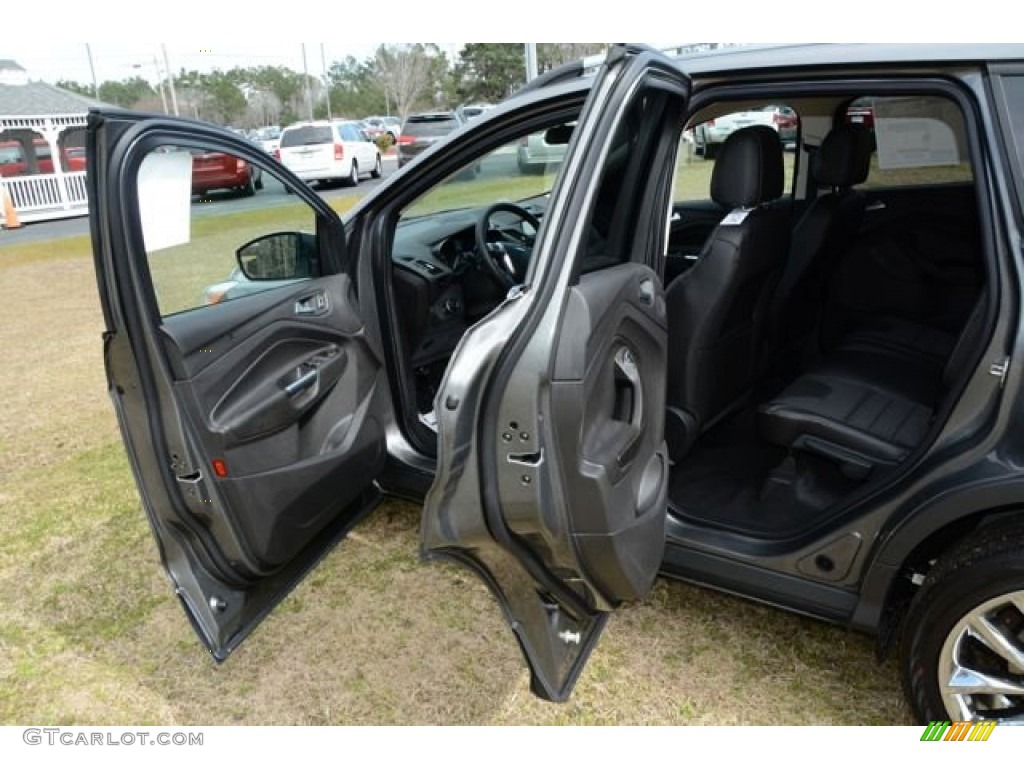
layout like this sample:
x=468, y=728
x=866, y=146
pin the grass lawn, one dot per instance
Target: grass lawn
x=90, y=632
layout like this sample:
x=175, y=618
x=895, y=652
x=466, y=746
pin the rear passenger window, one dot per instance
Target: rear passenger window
x=919, y=140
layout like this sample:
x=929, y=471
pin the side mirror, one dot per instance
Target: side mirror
x=559, y=134
x=279, y=256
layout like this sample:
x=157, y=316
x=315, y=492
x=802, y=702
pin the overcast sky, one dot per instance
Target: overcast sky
x=117, y=61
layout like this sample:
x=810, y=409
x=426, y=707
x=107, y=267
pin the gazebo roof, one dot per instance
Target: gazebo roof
x=37, y=98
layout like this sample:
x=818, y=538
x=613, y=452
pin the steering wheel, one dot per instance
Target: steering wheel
x=498, y=257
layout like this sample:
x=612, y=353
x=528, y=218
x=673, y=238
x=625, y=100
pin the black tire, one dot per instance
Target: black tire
x=249, y=189
x=378, y=168
x=987, y=565
x=259, y=181
x=353, y=175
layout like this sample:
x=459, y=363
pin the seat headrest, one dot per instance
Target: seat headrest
x=748, y=170
x=845, y=156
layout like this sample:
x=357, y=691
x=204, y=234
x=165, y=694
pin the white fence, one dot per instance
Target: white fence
x=43, y=196
x=47, y=195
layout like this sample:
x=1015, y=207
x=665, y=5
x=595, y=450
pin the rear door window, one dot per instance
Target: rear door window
x=305, y=135
x=919, y=140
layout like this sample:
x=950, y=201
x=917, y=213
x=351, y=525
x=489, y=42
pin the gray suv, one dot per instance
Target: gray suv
x=795, y=378
x=422, y=131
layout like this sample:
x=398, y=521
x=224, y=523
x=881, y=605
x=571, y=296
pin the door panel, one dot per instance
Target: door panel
x=279, y=406
x=250, y=401
x=552, y=468
x=607, y=405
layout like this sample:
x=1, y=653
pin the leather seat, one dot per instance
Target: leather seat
x=717, y=307
x=846, y=417
x=903, y=338
x=864, y=408
x=820, y=237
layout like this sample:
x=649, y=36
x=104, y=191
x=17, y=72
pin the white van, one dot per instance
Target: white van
x=328, y=151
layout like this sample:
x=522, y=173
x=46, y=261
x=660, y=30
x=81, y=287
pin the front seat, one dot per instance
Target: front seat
x=715, y=309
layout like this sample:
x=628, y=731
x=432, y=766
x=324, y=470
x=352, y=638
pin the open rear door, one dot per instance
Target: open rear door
x=553, y=473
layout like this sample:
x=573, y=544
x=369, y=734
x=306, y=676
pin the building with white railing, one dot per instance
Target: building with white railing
x=42, y=146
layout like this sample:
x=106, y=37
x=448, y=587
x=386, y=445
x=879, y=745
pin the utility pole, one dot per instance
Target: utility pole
x=327, y=83
x=170, y=79
x=305, y=82
x=92, y=69
x=159, y=81
x=531, y=61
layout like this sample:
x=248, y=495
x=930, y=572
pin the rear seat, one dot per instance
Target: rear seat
x=898, y=336
x=863, y=405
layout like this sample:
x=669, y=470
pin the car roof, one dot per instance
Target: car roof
x=775, y=57
x=705, y=66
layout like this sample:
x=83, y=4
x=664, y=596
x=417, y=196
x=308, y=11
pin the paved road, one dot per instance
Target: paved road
x=495, y=166
x=220, y=203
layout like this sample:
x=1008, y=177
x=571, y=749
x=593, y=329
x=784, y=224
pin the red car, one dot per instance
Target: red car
x=861, y=111
x=13, y=162
x=215, y=170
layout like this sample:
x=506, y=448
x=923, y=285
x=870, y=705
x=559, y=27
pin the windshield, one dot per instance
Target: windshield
x=305, y=135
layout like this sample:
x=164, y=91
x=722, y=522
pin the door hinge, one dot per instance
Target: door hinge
x=1000, y=370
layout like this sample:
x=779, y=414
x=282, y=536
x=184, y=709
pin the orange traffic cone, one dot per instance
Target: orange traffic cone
x=10, y=215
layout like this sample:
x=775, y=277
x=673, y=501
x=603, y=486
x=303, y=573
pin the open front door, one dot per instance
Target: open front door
x=250, y=401
x=553, y=473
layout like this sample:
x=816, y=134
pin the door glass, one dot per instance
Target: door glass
x=203, y=211
x=918, y=140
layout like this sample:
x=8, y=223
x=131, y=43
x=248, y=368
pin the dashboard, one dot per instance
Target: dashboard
x=440, y=286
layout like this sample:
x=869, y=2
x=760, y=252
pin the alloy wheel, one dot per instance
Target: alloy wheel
x=981, y=666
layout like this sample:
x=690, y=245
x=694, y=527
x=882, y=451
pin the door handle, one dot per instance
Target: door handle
x=628, y=404
x=314, y=304
x=303, y=382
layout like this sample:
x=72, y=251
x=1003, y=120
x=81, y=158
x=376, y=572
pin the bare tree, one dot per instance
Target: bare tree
x=406, y=73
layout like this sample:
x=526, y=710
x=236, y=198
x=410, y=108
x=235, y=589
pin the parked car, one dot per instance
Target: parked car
x=269, y=138
x=543, y=151
x=710, y=135
x=392, y=126
x=14, y=163
x=469, y=112
x=329, y=151
x=822, y=412
x=861, y=111
x=423, y=131
x=217, y=170
x=371, y=129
